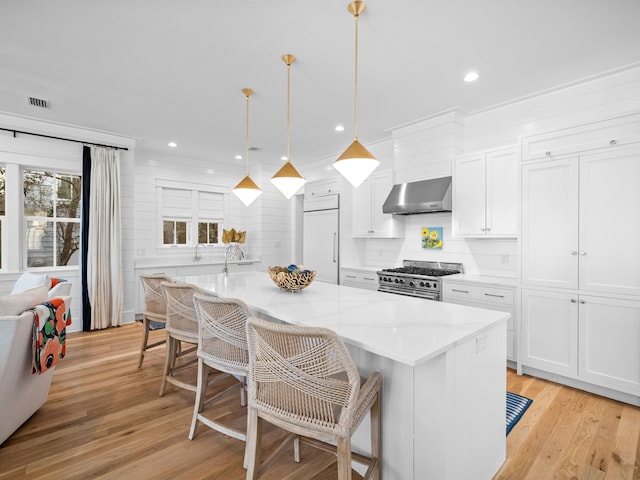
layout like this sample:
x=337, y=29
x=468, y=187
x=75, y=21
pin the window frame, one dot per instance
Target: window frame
x=54, y=220
x=194, y=220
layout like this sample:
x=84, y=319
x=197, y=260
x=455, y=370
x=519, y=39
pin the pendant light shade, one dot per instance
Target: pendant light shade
x=356, y=163
x=247, y=190
x=288, y=180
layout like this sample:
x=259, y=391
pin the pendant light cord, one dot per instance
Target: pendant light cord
x=355, y=102
x=288, y=111
x=247, y=136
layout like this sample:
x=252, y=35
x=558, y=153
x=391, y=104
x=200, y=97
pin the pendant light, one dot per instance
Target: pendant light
x=356, y=163
x=288, y=180
x=247, y=190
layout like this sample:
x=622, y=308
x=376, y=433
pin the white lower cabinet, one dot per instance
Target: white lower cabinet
x=359, y=278
x=584, y=337
x=501, y=298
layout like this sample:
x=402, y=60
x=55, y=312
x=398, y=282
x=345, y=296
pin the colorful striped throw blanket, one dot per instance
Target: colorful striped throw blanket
x=49, y=334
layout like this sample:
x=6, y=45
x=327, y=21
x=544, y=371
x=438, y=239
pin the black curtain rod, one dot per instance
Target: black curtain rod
x=61, y=138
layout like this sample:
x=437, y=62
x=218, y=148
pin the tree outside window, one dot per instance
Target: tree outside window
x=208, y=232
x=52, y=216
x=174, y=232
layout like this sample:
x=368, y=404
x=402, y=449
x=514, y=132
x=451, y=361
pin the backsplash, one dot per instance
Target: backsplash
x=479, y=256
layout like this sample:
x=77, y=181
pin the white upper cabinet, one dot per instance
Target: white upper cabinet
x=550, y=224
x=320, y=187
x=485, y=194
x=581, y=222
x=609, y=228
x=368, y=219
x=605, y=134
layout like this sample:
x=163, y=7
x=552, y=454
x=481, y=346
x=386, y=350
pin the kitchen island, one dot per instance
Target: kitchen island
x=443, y=369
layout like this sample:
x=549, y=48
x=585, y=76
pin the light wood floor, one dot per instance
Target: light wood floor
x=104, y=419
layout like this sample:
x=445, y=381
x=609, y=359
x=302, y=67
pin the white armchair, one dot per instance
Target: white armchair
x=21, y=393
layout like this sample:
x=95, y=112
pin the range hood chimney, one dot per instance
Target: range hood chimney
x=425, y=196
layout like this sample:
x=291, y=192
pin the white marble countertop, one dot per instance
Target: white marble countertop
x=405, y=329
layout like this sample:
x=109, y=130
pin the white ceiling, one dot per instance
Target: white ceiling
x=162, y=70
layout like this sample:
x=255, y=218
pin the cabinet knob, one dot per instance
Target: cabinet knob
x=482, y=229
x=548, y=154
x=488, y=229
x=573, y=300
x=574, y=252
x=582, y=302
x=583, y=252
x=612, y=142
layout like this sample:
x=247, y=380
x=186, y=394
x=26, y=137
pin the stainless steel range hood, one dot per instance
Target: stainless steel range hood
x=425, y=196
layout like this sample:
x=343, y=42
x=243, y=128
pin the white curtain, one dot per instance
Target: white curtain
x=104, y=259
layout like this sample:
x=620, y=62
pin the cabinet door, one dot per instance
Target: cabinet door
x=502, y=200
x=469, y=194
x=610, y=222
x=550, y=224
x=362, y=210
x=609, y=343
x=382, y=224
x=550, y=331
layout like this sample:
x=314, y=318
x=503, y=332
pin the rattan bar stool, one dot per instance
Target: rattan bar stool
x=182, y=326
x=155, y=309
x=222, y=345
x=303, y=380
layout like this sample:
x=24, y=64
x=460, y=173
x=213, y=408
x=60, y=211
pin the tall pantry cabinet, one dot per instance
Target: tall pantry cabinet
x=581, y=256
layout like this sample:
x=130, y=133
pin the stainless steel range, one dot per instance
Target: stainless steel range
x=417, y=278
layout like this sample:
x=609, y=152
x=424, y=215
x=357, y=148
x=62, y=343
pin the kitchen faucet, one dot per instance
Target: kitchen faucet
x=225, y=269
x=198, y=256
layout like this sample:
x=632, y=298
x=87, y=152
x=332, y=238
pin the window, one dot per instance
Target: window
x=52, y=218
x=207, y=232
x=174, y=232
x=190, y=214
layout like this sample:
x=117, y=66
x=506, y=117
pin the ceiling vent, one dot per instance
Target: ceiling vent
x=39, y=102
x=254, y=149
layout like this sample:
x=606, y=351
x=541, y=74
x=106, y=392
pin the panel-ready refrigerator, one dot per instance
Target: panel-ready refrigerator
x=321, y=236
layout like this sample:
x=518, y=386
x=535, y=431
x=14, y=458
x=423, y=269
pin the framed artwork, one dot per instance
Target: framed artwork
x=432, y=238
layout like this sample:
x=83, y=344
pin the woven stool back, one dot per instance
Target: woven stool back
x=302, y=376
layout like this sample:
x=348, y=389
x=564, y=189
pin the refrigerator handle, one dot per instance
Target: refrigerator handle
x=334, y=246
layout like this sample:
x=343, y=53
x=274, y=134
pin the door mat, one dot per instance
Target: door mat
x=516, y=406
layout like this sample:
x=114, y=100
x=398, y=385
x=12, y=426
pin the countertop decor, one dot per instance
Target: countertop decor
x=291, y=278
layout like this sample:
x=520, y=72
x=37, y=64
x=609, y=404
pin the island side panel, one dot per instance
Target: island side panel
x=397, y=414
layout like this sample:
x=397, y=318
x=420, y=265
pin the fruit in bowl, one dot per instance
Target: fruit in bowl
x=292, y=277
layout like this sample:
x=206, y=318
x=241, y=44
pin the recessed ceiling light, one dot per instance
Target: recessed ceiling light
x=283, y=158
x=172, y=144
x=471, y=77
x=339, y=128
x=238, y=157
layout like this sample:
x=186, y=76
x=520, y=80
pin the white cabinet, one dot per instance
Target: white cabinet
x=581, y=222
x=550, y=224
x=550, y=331
x=480, y=295
x=583, y=337
x=598, y=135
x=359, y=278
x=609, y=342
x=320, y=187
x=368, y=219
x=485, y=194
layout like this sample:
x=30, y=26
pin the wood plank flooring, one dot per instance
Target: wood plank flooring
x=104, y=419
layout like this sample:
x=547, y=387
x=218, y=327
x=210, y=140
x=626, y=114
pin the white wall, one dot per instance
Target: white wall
x=267, y=221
